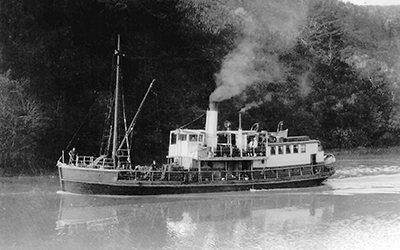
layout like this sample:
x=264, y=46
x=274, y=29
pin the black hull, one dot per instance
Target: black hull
x=152, y=189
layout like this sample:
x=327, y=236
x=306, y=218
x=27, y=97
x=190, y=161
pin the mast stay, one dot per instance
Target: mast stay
x=121, y=150
x=116, y=101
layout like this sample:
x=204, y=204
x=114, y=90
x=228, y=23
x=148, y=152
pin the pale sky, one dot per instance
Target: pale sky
x=374, y=2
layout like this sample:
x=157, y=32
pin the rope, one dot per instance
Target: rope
x=84, y=120
x=159, y=125
x=191, y=121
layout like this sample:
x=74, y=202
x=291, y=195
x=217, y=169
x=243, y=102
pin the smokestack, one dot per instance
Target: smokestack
x=239, y=139
x=211, y=126
x=212, y=106
x=240, y=120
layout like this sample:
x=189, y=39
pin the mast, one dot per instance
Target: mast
x=116, y=101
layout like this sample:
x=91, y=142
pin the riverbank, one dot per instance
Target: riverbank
x=389, y=155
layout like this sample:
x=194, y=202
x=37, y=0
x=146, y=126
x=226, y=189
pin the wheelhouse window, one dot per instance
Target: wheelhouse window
x=173, y=138
x=182, y=137
x=273, y=152
x=192, y=137
x=201, y=138
x=288, y=151
x=280, y=150
x=303, y=148
x=295, y=149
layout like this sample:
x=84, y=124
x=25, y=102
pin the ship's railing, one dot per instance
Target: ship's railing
x=88, y=161
x=215, y=176
x=223, y=150
x=94, y=162
x=85, y=161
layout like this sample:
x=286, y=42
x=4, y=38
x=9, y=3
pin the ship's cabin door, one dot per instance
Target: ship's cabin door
x=313, y=159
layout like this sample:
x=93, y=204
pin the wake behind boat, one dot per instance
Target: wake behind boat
x=199, y=160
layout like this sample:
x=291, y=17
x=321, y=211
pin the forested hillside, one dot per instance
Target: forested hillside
x=325, y=68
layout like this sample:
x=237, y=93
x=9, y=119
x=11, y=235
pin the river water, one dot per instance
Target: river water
x=359, y=208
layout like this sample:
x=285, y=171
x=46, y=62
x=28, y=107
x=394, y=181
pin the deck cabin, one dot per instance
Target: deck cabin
x=238, y=150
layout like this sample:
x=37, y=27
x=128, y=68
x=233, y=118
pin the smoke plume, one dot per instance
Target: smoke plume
x=267, y=27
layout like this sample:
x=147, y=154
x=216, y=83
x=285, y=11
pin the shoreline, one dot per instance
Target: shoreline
x=387, y=153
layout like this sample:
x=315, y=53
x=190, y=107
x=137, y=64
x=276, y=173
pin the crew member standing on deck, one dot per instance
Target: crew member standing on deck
x=72, y=156
x=253, y=145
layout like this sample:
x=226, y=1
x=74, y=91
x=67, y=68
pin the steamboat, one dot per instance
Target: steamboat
x=199, y=160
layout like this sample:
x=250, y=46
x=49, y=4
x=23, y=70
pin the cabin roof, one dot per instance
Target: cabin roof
x=202, y=131
x=188, y=131
x=244, y=132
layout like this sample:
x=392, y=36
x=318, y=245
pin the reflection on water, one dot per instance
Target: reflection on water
x=258, y=220
x=349, y=212
x=227, y=221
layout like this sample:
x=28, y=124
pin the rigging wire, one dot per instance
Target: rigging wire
x=84, y=120
x=181, y=127
x=159, y=124
x=108, y=122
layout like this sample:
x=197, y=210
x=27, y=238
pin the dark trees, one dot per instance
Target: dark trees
x=327, y=69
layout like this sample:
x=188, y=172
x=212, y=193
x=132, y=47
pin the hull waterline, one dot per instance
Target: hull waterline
x=153, y=188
